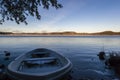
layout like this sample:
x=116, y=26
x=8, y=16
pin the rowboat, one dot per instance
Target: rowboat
x=39, y=64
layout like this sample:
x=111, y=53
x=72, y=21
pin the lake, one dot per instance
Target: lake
x=81, y=50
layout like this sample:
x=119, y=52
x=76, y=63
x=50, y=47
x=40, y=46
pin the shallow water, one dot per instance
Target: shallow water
x=81, y=50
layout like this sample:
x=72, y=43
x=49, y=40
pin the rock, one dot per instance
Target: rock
x=101, y=55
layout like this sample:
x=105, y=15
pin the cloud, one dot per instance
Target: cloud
x=52, y=18
x=69, y=8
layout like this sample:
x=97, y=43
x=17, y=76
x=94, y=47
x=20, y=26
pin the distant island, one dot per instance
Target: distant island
x=66, y=33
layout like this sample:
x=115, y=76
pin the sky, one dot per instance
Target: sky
x=76, y=15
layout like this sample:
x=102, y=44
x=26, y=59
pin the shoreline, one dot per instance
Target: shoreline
x=53, y=35
x=65, y=33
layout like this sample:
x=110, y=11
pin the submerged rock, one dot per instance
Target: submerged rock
x=101, y=55
x=7, y=55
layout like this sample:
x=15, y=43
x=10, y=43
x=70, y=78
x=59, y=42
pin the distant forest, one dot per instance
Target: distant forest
x=6, y=33
x=67, y=33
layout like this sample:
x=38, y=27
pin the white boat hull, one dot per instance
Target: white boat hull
x=47, y=72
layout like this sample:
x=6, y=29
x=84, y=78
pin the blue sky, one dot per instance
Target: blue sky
x=76, y=15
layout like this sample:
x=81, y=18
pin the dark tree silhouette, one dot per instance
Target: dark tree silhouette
x=18, y=10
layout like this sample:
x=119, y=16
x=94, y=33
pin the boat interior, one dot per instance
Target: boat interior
x=39, y=61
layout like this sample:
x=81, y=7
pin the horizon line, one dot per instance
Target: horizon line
x=60, y=31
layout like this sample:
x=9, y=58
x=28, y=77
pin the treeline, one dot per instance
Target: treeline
x=62, y=33
x=106, y=33
x=6, y=33
x=75, y=33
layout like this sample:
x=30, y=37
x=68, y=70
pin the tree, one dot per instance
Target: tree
x=19, y=10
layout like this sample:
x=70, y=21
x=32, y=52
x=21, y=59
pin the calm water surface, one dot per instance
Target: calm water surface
x=81, y=50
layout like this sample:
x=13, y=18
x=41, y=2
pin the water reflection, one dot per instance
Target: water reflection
x=20, y=42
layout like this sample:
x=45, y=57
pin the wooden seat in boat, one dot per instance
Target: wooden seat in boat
x=45, y=60
x=39, y=54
